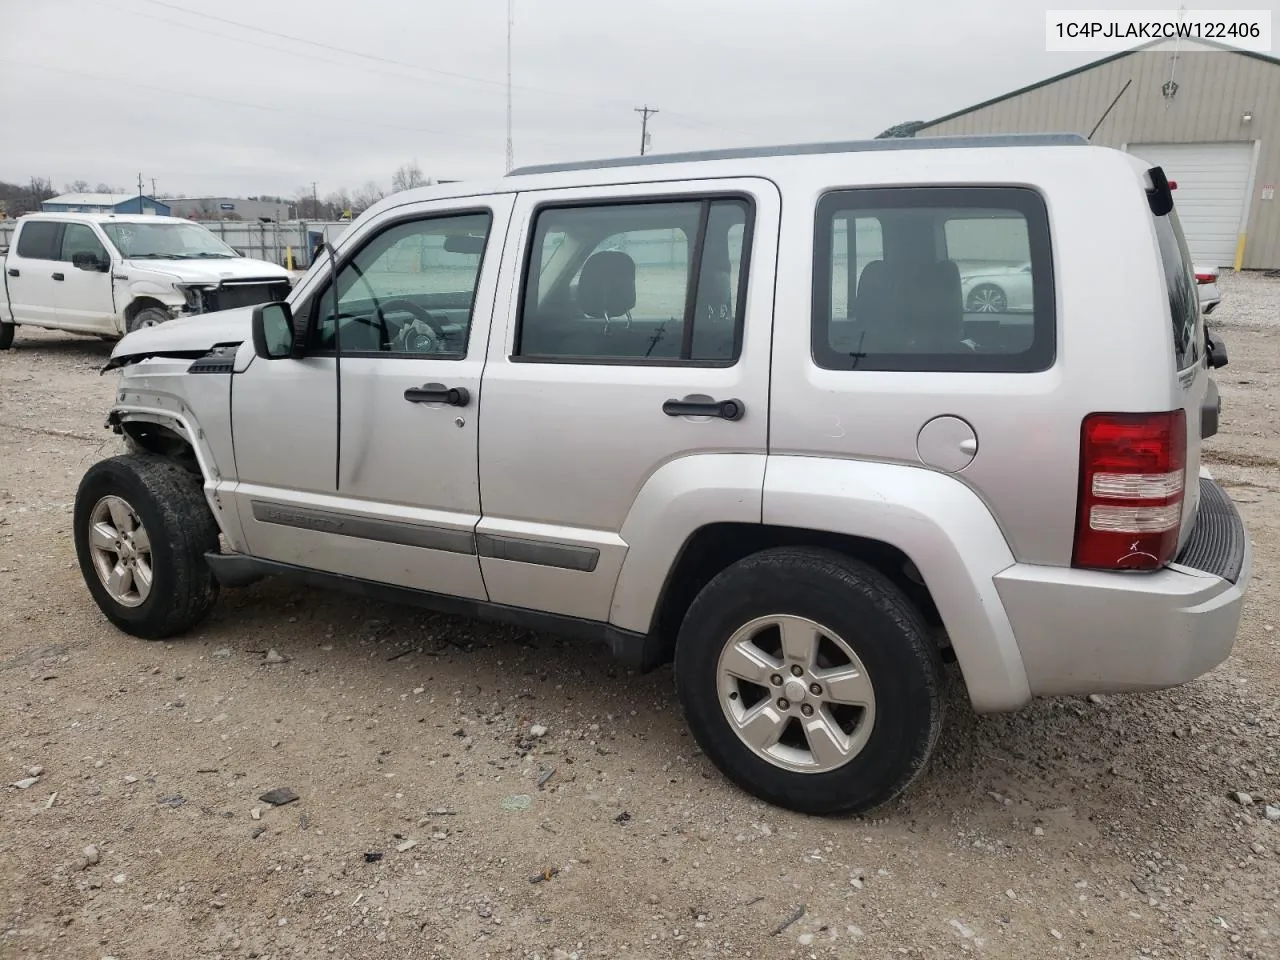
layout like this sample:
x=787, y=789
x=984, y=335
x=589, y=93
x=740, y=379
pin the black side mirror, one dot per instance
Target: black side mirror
x=86, y=260
x=274, y=336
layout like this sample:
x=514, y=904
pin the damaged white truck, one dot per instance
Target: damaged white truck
x=109, y=275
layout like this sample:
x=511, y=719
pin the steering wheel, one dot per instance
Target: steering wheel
x=417, y=341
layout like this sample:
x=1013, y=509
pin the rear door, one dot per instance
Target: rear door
x=29, y=273
x=633, y=313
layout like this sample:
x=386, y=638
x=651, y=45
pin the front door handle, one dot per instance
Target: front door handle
x=438, y=393
x=14, y=272
x=700, y=405
x=58, y=276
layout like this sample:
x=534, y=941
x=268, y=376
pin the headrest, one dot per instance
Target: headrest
x=607, y=285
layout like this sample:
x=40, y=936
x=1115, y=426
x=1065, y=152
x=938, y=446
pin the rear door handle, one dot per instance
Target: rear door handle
x=438, y=393
x=58, y=276
x=14, y=272
x=700, y=405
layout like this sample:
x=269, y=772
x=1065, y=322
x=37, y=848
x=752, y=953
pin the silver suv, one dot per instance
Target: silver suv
x=733, y=410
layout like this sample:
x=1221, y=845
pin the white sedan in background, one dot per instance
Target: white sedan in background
x=997, y=289
x=1000, y=289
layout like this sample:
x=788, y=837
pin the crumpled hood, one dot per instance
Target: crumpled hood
x=185, y=337
x=211, y=271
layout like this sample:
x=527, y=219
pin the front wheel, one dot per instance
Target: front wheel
x=6, y=335
x=810, y=680
x=142, y=528
x=147, y=317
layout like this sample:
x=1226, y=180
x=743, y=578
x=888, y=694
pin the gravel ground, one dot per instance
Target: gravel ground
x=433, y=821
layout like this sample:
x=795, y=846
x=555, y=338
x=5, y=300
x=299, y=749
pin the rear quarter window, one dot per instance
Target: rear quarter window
x=933, y=279
x=1179, y=280
x=38, y=240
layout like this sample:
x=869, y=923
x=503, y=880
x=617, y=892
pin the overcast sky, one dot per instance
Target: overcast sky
x=215, y=98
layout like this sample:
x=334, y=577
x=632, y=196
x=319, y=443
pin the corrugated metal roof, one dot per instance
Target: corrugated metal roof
x=1159, y=45
x=93, y=199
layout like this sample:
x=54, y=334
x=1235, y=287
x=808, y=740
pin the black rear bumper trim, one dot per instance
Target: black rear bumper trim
x=1218, y=540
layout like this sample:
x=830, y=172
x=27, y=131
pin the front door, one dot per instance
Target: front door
x=83, y=297
x=404, y=353
x=637, y=334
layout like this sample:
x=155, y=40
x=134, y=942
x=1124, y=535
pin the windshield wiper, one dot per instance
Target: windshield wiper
x=154, y=256
x=215, y=256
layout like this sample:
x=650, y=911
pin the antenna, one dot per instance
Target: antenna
x=510, y=149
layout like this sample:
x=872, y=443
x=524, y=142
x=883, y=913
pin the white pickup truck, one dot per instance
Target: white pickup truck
x=109, y=275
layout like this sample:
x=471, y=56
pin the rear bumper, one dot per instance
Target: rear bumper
x=1087, y=631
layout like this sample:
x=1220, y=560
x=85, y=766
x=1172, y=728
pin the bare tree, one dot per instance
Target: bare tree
x=77, y=186
x=366, y=196
x=308, y=208
x=407, y=177
x=337, y=203
x=107, y=188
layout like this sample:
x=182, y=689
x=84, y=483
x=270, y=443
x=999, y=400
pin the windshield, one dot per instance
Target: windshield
x=168, y=241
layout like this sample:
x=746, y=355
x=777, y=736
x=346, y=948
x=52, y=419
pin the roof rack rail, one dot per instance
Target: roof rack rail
x=838, y=146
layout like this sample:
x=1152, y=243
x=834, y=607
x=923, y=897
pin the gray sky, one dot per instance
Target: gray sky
x=103, y=89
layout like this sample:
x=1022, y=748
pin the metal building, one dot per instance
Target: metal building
x=105, y=203
x=230, y=208
x=1206, y=113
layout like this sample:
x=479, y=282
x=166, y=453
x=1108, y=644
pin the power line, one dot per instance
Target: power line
x=486, y=81
x=292, y=111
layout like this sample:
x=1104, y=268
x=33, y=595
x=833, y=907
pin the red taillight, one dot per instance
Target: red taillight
x=1173, y=184
x=1206, y=277
x=1132, y=477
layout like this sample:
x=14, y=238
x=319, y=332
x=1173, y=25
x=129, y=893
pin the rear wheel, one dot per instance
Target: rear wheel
x=142, y=528
x=810, y=680
x=6, y=335
x=987, y=298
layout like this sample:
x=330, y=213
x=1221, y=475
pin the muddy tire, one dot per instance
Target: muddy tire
x=142, y=528
x=810, y=680
x=6, y=335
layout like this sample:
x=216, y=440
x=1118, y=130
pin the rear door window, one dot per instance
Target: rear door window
x=933, y=279
x=1179, y=280
x=38, y=240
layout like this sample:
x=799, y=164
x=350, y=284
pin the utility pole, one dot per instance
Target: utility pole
x=153, y=186
x=510, y=149
x=644, y=125
x=315, y=201
x=139, y=191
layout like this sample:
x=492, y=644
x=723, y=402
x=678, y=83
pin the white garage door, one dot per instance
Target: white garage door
x=1213, y=184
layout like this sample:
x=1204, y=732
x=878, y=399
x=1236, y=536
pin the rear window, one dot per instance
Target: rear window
x=36, y=240
x=1179, y=280
x=933, y=279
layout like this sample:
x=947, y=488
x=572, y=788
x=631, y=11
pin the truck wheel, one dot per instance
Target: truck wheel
x=142, y=528
x=810, y=680
x=146, y=317
x=6, y=335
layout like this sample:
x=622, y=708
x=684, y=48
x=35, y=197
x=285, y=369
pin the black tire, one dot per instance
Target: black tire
x=987, y=298
x=6, y=335
x=171, y=504
x=146, y=317
x=877, y=621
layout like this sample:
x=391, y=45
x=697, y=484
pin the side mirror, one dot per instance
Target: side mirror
x=274, y=337
x=85, y=260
